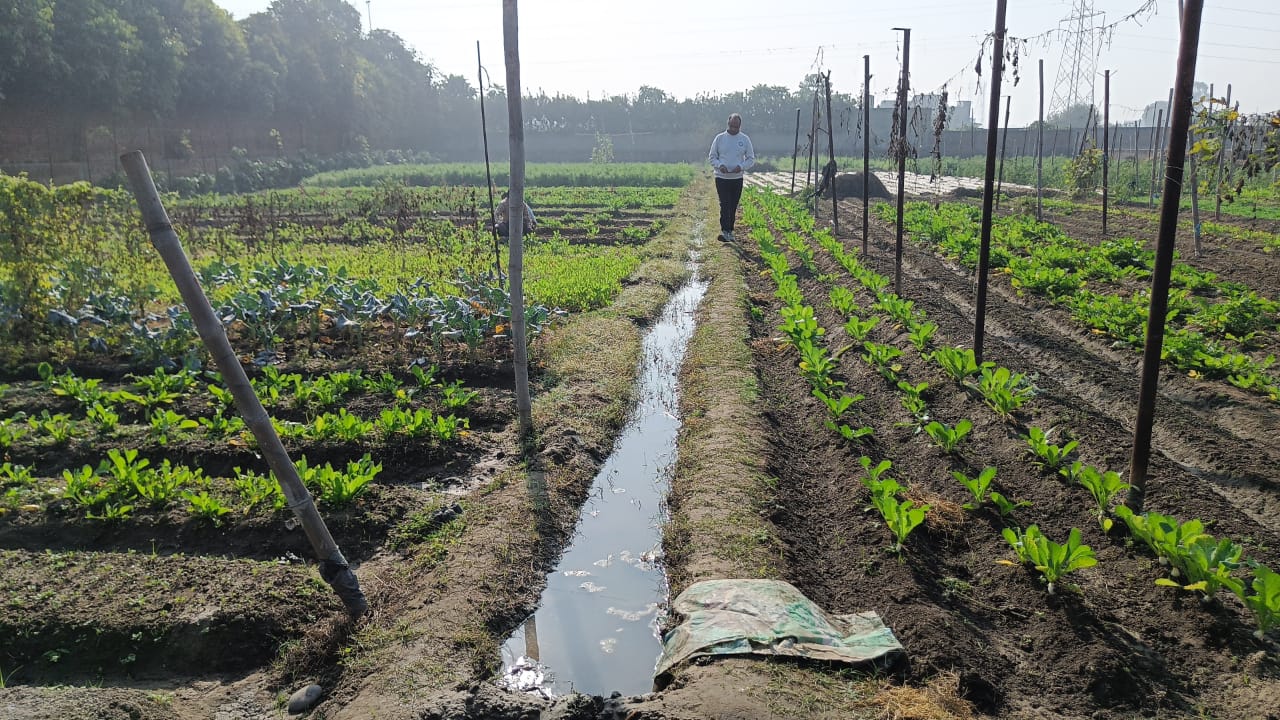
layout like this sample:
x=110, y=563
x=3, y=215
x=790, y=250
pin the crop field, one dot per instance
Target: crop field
x=837, y=435
x=978, y=507
x=143, y=536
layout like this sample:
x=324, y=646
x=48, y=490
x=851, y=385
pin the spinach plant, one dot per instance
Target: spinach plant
x=1049, y=456
x=1003, y=390
x=921, y=334
x=977, y=486
x=1053, y=561
x=1207, y=565
x=1005, y=506
x=947, y=437
x=1264, y=601
x=958, y=363
x=858, y=329
x=1102, y=487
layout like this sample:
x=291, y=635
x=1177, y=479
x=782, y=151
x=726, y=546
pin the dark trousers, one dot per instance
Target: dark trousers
x=730, y=192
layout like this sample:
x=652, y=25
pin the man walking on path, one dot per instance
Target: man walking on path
x=731, y=154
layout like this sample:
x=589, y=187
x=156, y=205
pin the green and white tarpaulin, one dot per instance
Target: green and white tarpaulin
x=770, y=617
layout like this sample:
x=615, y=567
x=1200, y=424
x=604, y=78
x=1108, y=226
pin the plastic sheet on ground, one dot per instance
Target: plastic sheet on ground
x=769, y=617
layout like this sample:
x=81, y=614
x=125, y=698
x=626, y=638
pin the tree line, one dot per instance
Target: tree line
x=308, y=62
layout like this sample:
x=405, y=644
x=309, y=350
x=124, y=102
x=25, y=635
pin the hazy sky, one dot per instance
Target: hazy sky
x=603, y=47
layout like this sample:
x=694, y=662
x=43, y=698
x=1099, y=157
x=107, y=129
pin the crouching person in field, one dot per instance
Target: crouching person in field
x=500, y=221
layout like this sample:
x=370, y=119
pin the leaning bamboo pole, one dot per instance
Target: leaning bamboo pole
x=333, y=566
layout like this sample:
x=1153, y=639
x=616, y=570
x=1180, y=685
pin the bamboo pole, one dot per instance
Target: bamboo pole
x=1163, y=268
x=866, y=145
x=488, y=176
x=1155, y=148
x=984, y=248
x=333, y=566
x=831, y=151
x=1004, y=142
x=794, y=152
x=1222, y=154
x=1106, y=146
x=1040, y=153
x=515, y=215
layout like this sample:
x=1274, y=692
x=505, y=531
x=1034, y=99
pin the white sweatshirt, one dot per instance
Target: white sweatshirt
x=731, y=151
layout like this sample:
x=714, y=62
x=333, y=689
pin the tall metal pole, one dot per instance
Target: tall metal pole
x=984, y=248
x=1040, y=153
x=1162, y=270
x=901, y=151
x=488, y=176
x=1004, y=141
x=831, y=150
x=333, y=566
x=1106, y=145
x=866, y=146
x=795, y=152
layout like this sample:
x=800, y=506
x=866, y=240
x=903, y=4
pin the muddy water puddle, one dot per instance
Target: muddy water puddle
x=596, y=628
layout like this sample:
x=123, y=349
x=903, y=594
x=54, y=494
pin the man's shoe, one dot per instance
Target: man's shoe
x=724, y=237
x=729, y=236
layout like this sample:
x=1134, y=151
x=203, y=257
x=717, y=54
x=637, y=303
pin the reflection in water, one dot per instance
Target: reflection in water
x=596, y=629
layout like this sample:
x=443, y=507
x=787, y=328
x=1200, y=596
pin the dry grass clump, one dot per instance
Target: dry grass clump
x=939, y=700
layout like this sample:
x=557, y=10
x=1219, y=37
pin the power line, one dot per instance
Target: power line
x=1250, y=11
x=1245, y=27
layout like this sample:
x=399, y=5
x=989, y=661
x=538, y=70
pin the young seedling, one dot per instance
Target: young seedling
x=799, y=323
x=901, y=516
x=1264, y=601
x=838, y=405
x=1052, y=560
x=816, y=366
x=1207, y=566
x=1168, y=538
x=914, y=403
x=1049, y=456
x=1003, y=390
x=959, y=364
x=882, y=357
x=921, y=334
x=947, y=437
x=206, y=506
x=1102, y=487
x=874, y=473
x=977, y=485
x=842, y=299
x=1005, y=506
x=858, y=329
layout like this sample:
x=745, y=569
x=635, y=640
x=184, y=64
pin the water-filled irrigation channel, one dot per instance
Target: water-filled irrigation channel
x=596, y=628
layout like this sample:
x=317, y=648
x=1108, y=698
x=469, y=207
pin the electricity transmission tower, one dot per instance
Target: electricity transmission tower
x=1080, y=49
